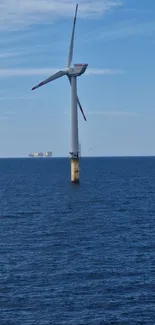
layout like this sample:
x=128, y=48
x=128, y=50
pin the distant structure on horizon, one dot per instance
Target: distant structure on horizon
x=79, y=150
x=47, y=154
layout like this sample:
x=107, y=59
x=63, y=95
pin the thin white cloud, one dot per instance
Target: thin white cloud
x=128, y=29
x=11, y=54
x=94, y=71
x=114, y=113
x=26, y=72
x=3, y=118
x=20, y=13
x=49, y=71
x=137, y=10
x=7, y=115
x=11, y=98
x=111, y=114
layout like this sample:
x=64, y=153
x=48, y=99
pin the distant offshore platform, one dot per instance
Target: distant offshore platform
x=47, y=154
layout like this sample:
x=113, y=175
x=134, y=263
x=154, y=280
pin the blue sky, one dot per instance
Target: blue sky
x=116, y=38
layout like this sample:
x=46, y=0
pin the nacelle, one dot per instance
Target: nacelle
x=77, y=70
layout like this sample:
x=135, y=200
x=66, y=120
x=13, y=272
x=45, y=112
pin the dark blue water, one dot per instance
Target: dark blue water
x=77, y=254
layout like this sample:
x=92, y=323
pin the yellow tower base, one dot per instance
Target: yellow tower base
x=75, y=170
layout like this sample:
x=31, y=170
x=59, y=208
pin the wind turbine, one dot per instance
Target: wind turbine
x=72, y=72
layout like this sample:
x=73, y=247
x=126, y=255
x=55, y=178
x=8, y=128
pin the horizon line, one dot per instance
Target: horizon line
x=66, y=157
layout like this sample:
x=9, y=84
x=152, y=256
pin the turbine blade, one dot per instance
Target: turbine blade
x=70, y=55
x=53, y=77
x=78, y=102
x=81, y=109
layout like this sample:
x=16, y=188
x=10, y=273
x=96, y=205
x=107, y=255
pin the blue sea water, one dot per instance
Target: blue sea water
x=77, y=254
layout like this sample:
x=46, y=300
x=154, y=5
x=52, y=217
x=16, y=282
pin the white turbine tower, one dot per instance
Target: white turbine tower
x=72, y=73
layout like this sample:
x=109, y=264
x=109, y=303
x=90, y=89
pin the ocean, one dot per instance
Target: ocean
x=77, y=254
